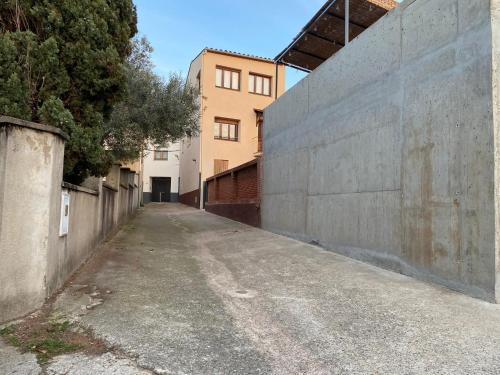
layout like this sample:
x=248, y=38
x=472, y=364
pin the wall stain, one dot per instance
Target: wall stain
x=425, y=249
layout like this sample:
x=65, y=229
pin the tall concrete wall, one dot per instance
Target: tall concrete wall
x=31, y=171
x=34, y=259
x=386, y=152
x=495, y=26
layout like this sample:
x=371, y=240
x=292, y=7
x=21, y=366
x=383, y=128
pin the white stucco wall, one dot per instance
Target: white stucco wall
x=190, y=147
x=162, y=168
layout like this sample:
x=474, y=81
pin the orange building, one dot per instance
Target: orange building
x=234, y=90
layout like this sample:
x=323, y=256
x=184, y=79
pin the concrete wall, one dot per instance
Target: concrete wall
x=495, y=27
x=85, y=233
x=34, y=259
x=386, y=152
x=31, y=172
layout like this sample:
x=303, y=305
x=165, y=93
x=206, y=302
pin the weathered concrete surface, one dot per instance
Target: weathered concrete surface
x=31, y=168
x=14, y=363
x=387, y=152
x=193, y=293
x=35, y=260
x=107, y=364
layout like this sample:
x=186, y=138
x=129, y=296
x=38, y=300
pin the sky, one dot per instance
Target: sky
x=179, y=29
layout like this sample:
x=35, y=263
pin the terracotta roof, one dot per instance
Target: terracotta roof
x=324, y=34
x=239, y=54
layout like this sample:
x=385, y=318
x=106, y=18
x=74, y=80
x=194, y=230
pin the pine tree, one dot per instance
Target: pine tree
x=63, y=63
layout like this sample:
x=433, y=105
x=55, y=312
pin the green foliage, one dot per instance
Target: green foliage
x=8, y=330
x=62, y=62
x=155, y=111
x=9, y=334
x=45, y=343
x=30, y=73
x=59, y=327
x=51, y=347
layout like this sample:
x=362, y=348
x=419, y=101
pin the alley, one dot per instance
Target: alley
x=193, y=293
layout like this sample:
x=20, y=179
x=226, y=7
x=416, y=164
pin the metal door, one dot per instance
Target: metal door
x=161, y=189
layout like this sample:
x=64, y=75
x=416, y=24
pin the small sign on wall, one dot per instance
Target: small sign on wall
x=64, y=225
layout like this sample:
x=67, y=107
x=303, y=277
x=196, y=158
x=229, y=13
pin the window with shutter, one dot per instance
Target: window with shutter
x=259, y=84
x=226, y=129
x=227, y=78
x=220, y=166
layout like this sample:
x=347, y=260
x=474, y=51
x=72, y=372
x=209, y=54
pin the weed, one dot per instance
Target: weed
x=48, y=348
x=9, y=330
x=8, y=333
x=13, y=340
x=48, y=337
x=58, y=327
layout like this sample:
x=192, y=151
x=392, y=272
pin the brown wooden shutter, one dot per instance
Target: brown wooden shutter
x=220, y=166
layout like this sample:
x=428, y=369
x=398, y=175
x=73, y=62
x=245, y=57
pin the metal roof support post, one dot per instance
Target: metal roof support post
x=346, y=22
x=276, y=83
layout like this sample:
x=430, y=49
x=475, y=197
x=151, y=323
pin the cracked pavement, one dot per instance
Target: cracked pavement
x=187, y=292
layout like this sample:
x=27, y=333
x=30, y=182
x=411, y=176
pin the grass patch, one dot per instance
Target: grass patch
x=49, y=348
x=8, y=333
x=49, y=338
x=57, y=327
x=7, y=330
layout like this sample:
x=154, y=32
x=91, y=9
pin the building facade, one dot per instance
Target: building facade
x=161, y=174
x=234, y=90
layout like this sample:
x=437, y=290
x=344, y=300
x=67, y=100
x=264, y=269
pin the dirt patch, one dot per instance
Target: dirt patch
x=48, y=335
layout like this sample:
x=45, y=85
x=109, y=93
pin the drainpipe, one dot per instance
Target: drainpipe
x=346, y=22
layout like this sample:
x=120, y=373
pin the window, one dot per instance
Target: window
x=220, y=166
x=161, y=154
x=259, y=84
x=226, y=129
x=227, y=78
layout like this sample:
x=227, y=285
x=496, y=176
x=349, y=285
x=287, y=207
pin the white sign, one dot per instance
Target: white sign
x=64, y=226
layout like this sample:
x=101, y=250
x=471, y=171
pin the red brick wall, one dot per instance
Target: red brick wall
x=191, y=199
x=236, y=193
x=248, y=213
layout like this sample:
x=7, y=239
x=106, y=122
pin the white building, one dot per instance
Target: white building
x=161, y=174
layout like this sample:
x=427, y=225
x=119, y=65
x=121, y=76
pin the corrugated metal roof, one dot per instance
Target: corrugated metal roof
x=324, y=34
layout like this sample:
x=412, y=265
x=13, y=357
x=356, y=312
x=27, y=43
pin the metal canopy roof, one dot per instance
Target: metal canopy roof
x=324, y=35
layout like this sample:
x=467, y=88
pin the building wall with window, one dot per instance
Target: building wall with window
x=161, y=163
x=232, y=87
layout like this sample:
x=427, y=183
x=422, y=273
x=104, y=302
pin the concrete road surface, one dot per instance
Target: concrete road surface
x=186, y=292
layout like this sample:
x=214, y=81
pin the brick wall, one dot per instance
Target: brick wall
x=191, y=198
x=235, y=193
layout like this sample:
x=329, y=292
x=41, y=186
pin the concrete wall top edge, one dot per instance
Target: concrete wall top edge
x=82, y=189
x=7, y=120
